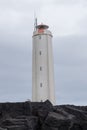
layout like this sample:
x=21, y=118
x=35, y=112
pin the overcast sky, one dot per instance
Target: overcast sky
x=67, y=20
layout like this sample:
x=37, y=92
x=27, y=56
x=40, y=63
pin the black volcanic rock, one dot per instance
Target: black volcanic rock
x=42, y=116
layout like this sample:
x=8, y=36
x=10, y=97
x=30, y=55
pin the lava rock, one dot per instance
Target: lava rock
x=17, y=127
x=32, y=123
x=2, y=128
x=45, y=127
x=56, y=120
x=42, y=116
x=76, y=127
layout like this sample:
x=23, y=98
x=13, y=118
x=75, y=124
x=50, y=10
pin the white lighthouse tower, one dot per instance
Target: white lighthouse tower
x=42, y=65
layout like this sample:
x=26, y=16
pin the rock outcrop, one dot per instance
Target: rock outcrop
x=42, y=116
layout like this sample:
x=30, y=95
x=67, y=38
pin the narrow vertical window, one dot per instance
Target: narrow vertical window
x=40, y=68
x=40, y=84
x=40, y=52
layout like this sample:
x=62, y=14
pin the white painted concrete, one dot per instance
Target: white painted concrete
x=42, y=67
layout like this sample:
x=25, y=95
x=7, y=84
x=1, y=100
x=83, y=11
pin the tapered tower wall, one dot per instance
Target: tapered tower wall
x=42, y=66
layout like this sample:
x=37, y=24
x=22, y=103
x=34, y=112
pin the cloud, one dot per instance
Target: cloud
x=70, y=2
x=71, y=50
x=70, y=60
x=15, y=73
x=65, y=20
x=17, y=19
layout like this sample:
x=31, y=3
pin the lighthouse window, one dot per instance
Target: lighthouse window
x=40, y=68
x=39, y=36
x=40, y=52
x=40, y=84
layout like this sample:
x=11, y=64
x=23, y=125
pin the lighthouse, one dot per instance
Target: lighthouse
x=42, y=65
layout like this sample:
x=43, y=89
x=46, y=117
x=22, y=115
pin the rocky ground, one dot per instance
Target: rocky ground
x=42, y=116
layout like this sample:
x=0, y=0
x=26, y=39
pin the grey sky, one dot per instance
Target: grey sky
x=67, y=20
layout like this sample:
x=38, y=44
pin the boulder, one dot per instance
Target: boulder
x=41, y=106
x=42, y=114
x=32, y=123
x=56, y=120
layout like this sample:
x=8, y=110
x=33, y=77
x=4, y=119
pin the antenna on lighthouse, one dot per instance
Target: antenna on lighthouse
x=35, y=21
